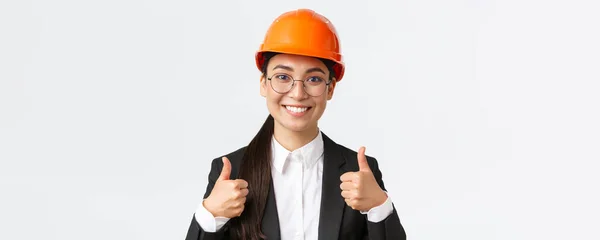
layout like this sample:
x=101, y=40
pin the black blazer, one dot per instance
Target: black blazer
x=337, y=220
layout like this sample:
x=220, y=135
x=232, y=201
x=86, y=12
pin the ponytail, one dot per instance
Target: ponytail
x=256, y=170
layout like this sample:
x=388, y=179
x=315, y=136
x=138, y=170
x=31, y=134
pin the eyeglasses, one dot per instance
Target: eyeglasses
x=313, y=86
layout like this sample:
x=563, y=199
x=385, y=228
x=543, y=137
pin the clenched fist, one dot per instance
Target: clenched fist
x=360, y=190
x=227, y=197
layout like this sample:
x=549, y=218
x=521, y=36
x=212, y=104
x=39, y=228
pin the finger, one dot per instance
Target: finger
x=237, y=205
x=351, y=203
x=347, y=194
x=363, y=165
x=349, y=176
x=243, y=193
x=241, y=210
x=239, y=193
x=241, y=183
x=348, y=186
x=226, y=171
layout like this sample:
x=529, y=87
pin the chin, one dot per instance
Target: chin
x=296, y=126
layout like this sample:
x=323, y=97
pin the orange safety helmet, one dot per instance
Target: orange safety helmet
x=303, y=32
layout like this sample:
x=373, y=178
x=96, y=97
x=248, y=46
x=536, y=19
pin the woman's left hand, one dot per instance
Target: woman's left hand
x=360, y=189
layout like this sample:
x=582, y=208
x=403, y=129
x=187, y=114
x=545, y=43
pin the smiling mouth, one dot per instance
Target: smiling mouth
x=296, y=109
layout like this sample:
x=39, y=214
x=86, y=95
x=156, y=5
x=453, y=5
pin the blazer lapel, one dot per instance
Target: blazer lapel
x=332, y=203
x=270, y=221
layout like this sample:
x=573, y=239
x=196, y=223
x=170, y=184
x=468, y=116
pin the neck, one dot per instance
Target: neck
x=292, y=140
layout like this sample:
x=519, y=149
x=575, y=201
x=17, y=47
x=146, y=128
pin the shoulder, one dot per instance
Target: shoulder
x=351, y=156
x=235, y=158
x=351, y=163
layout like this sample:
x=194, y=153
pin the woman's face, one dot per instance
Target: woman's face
x=296, y=110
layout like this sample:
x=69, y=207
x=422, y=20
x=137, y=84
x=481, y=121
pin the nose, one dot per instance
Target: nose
x=297, y=91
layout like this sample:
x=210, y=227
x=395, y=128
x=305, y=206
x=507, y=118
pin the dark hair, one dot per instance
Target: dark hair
x=256, y=170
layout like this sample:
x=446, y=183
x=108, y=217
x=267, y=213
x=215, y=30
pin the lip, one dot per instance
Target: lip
x=296, y=114
x=296, y=105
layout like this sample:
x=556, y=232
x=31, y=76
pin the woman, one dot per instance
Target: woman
x=292, y=181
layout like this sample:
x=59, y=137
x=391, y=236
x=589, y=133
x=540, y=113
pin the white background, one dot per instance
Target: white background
x=483, y=114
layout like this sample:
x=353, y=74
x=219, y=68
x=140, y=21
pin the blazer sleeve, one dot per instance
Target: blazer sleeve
x=390, y=228
x=195, y=232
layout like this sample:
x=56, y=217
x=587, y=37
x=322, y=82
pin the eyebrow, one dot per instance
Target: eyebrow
x=288, y=68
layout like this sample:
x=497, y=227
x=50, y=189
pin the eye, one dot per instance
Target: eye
x=282, y=77
x=315, y=80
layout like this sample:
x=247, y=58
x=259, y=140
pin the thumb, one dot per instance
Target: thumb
x=362, y=160
x=226, y=171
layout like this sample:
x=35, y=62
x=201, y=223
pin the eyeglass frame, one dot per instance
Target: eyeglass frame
x=328, y=82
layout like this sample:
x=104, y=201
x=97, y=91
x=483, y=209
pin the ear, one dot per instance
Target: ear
x=263, y=86
x=331, y=88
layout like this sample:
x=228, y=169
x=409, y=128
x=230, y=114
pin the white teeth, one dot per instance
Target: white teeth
x=296, y=109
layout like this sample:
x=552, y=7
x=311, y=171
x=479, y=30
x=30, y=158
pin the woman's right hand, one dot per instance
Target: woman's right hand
x=227, y=197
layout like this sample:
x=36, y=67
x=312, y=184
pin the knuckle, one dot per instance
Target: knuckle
x=358, y=194
x=242, y=182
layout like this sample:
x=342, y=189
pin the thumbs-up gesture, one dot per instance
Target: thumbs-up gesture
x=227, y=197
x=360, y=189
